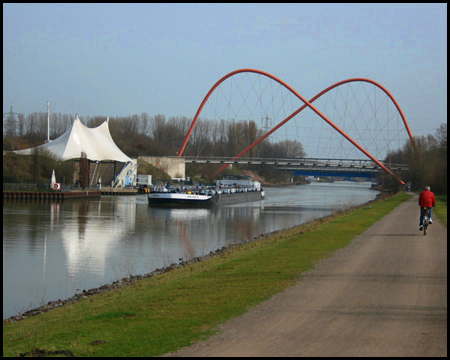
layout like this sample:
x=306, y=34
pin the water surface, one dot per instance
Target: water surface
x=51, y=250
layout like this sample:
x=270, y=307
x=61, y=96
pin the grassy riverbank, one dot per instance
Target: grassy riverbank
x=172, y=310
x=441, y=209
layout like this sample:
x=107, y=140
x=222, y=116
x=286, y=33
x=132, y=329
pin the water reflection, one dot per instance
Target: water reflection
x=51, y=249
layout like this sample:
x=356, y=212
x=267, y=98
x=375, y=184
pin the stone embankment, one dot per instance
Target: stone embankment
x=113, y=286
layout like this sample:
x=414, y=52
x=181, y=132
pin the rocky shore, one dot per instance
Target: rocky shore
x=133, y=278
x=118, y=284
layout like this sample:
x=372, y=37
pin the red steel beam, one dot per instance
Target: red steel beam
x=314, y=99
x=306, y=104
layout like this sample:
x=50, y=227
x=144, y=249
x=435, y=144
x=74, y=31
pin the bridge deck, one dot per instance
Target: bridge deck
x=293, y=164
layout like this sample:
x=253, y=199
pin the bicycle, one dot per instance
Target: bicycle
x=426, y=220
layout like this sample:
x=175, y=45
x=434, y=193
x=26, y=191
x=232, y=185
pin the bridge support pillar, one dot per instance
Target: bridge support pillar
x=174, y=167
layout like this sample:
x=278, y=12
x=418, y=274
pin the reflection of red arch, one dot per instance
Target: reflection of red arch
x=306, y=104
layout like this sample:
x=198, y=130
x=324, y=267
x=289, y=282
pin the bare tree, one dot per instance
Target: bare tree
x=441, y=136
x=20, y=125
x=144, y=124
x=84, y=170
x=157, y=127
x=10, y=126
x=292, y=149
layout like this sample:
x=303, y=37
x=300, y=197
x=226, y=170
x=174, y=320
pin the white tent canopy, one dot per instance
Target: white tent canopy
x=96, y=143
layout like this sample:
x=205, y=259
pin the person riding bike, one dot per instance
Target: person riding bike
x=426, y=200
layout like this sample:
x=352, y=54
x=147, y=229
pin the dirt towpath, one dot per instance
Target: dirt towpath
x=383, y=295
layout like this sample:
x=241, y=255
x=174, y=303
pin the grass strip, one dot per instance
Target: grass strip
x=166, y=312
x=441, y=209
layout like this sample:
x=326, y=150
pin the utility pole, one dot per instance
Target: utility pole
x=10, y=123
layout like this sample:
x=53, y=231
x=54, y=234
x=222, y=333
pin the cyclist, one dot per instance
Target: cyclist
x=426, y=200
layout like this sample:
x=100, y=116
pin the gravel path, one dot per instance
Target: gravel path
x=383, y=295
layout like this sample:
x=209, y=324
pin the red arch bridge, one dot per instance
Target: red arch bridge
x=344, y=129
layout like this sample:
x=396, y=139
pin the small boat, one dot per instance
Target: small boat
x=230, y=190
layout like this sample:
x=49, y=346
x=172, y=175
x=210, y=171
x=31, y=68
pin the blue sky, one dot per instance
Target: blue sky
x=124, y=59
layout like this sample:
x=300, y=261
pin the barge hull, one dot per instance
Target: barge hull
x=180, y=203
x=236, y=198
x=216, y=200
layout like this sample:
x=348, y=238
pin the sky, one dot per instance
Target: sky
x=125, y=59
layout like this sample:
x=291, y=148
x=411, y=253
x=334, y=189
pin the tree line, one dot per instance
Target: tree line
x=143, y=135
x=140, y=135
x=427, y=165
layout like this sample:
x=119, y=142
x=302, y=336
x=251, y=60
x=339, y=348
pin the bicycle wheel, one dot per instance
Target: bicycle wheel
x=425, y=225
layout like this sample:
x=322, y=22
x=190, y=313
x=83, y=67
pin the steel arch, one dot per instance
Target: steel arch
x=306, y=104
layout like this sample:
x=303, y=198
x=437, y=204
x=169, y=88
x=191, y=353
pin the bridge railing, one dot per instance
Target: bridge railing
x=297, y=162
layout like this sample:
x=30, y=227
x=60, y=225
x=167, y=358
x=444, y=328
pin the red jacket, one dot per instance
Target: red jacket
x=427, y=199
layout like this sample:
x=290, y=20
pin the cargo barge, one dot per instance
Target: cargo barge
x=230, y=190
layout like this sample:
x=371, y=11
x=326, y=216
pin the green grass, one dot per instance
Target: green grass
x=164, y=313
x=441, y=209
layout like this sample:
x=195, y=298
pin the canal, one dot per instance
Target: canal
x=52, y=249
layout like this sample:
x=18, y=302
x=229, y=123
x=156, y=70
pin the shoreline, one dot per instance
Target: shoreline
x=127, y=281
